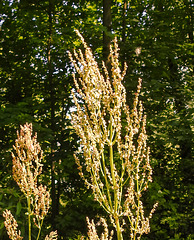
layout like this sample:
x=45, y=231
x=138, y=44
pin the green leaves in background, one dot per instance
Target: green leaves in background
x=156, y=41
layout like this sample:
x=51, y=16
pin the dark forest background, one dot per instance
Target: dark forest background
x=156, y=40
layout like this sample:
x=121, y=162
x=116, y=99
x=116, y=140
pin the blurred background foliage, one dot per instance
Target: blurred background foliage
x=156, y=40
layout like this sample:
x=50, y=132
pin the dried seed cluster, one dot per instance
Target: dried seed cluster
x=27, y=167
x=11, y=226
x=112, y=139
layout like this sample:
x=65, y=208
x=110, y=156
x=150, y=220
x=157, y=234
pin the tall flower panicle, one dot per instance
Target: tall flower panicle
x=112, y=140
x=26, y=160
x=27, y=167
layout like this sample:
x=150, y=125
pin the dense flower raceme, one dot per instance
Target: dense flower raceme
x=26, y=160
x=27, y=167
x=112, y=140
x=11, y=226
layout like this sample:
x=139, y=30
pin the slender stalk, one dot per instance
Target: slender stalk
x=138, y=200
x=29, y=218
x=118, y=228
x=107, y=184
x=112, y=166
x=39, y=231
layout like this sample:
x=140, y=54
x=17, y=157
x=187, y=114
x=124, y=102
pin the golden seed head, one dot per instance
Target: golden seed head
x=11, y=226
x=113, y=139
x=52, y=236
x=27, y=167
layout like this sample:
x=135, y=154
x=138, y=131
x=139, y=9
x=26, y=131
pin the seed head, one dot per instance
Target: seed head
x=11, y=226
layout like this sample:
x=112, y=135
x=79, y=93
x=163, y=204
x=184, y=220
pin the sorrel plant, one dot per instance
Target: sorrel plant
x=27, y=167
x=113, y=139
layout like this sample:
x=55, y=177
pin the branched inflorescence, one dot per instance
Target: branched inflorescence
x=112, y=140
x=26, y=160
x=27, y=167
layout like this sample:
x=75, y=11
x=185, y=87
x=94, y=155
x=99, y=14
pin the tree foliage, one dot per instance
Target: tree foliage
x=156, y=40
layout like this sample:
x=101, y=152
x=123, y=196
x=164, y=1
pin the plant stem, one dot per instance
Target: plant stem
x=29, y=218
x=40, y=227
x=118, y=228
x=138, y=202
x=112, y=167
x=107, y=184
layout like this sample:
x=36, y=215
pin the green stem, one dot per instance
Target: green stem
x=29, y=218
x=119, y=232
x=116, y=204
x=112, y=167
x=138, y=200
x=107, y=184
x=40, y=227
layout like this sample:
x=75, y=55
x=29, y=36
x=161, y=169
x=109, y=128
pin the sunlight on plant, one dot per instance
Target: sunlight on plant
x=27, y=167
x=92, y=231
x=11, y=226
x=113, y=138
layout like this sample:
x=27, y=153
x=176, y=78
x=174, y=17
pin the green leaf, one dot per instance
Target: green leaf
x=19, y=207
x=2, y=225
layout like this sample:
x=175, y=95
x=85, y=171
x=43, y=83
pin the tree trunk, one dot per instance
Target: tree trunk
x=107, y=23
x=124, y=32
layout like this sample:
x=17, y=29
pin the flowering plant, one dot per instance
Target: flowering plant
x=112, y=141
x=27, y=167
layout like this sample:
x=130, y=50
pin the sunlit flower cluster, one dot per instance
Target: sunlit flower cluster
x=112, y=139
x=27, y=167
x=92, y=231
x=26, y=160
x=11, y=226
x=51, y=236
x=41, y=203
